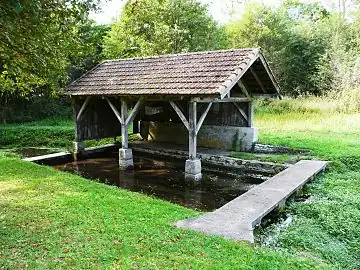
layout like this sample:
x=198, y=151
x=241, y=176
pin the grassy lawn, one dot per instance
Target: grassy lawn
x=326, y=226
x=51, y=219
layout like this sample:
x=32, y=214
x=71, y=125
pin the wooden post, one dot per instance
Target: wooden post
x=250, y=118
x=78, y=146
x=124, y=128
x=192, y=130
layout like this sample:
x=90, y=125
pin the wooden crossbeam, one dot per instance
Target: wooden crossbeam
x=243, y=89
x=116, y=112
x=180, y=114
x=265, y=95
x=83, y=108
x=243, y=114
x=202, y=118
x=224, y=100
x=253, y=72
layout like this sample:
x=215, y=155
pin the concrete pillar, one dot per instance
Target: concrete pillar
x=192, y=165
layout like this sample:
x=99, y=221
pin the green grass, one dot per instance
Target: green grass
x=326, y=227
x=51, y=219
x=52, y=133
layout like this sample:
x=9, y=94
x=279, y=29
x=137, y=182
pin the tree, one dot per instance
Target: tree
x=36, y=38
x=153, y=27
x=286, y=35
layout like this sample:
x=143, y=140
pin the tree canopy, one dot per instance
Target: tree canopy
x=153, y=27
x=37, y=40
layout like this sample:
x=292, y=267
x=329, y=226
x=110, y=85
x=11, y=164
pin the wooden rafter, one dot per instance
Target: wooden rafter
x=253, y=72
x=243, y=89
x=263, y=61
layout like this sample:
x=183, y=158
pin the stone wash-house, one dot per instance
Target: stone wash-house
x=200, y=99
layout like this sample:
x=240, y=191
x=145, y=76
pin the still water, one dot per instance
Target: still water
x=164, y=179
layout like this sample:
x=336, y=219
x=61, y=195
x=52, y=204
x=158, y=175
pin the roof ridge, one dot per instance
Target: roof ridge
x=255, y=49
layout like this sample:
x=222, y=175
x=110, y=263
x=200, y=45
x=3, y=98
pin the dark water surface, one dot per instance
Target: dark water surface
x=164, y=180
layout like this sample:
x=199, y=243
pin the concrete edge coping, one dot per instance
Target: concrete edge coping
x=88, y=150
x=250, y=207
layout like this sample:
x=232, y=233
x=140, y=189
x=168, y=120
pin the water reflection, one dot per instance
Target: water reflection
x=165, y=180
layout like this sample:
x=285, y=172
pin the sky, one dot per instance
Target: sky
x=218, y=9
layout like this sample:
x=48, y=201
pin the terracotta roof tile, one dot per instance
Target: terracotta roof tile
x=200, y=73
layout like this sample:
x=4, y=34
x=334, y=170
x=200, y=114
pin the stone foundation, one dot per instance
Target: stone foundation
x=126, y=159
x=193, y=170
x=210, y=136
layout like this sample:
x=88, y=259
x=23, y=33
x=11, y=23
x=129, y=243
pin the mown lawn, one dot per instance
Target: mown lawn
x=51, y=219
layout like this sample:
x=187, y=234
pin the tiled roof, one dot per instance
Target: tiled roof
x=200, y=73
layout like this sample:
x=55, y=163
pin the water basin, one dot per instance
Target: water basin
x=164, y=179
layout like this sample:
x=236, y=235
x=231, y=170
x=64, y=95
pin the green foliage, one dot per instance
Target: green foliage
x=36, y=40
x=311, y=50
x=154, y=27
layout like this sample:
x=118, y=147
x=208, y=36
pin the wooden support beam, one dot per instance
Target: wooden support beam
x=250, y=114
x=258, y=80
x=124, y=127
x=134, y=111
x=243, y=89
x=224, y=100
x=241, y=111
x=265, y=95
x=116, y=112
x=83, y=108
x=179, y=113
x=202, y=118
x=192, y=130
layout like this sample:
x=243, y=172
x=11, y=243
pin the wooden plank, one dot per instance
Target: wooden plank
x=180, y=114
x=192, y=130
x=124, y=127
x=258, y=80
x=83, y=108
x=224, y=100
x=202, y=118
x=243, y=89
x=243, y=114
x=134, y=111
x=116, y=112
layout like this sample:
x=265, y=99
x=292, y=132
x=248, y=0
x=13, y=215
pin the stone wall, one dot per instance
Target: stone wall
x=211, y=136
